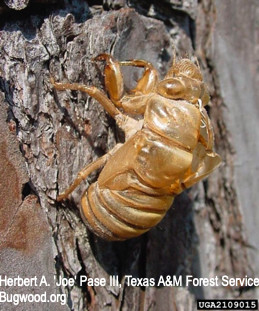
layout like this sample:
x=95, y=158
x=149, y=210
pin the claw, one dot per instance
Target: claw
x=102, y=57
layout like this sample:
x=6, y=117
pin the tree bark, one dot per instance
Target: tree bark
x=48, y=136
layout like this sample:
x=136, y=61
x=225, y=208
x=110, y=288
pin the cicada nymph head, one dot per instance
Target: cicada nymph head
x=185, y=67
x=184, y=80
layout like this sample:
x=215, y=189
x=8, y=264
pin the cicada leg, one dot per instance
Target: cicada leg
x=82, y=175
x=205, y=160
x=86, y=171
x=135, y=102
x=207, y=164
x=90, y=90
x=149, y=79
x=126, y=123
x=112, y=77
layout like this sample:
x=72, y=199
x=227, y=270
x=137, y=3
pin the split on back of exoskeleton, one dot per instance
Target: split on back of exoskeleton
x=172, y=130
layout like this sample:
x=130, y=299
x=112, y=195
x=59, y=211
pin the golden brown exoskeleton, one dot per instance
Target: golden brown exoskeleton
x=168, y=147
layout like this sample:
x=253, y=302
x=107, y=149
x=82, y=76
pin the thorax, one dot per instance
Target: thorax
x=176, y=120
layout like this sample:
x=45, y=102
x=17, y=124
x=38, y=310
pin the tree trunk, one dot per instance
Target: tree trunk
x=47, y=136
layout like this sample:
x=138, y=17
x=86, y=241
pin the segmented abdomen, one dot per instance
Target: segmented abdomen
x=120, y=215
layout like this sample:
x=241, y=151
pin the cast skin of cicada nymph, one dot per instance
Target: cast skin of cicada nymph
x=168, y=147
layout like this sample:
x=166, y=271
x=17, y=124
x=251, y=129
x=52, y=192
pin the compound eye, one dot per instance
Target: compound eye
x=171, y=88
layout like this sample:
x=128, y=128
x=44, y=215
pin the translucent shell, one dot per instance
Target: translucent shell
x=168, y=147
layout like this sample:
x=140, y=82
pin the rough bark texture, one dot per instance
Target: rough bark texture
x=46, y=137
